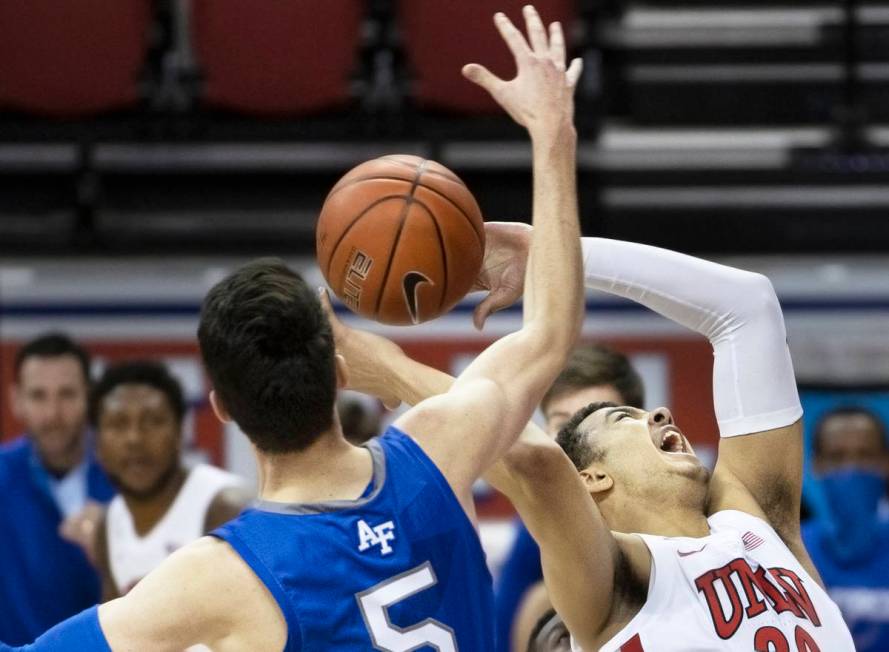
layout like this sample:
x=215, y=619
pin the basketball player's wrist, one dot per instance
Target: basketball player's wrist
x=553, y=138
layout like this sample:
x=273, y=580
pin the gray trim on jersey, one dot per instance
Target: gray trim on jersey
x=379, y=479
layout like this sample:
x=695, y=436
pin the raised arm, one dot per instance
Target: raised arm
x=580, y=557
x=202, y=593
x=483, y=413
x=759, y=468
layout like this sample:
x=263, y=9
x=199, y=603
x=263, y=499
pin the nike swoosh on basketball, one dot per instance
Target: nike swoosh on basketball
x=409, y=284
x=692, y=552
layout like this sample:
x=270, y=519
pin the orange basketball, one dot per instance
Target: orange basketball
x=400, y=239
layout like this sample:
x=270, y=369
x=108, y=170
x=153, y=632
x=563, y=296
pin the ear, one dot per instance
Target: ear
x=218, y=408
x=342, y=372
x=596, y=480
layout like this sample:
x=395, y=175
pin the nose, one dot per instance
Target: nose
x=660, y=417
x=54, y=410
x=132, y=436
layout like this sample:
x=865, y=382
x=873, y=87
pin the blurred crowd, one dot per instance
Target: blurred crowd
x=95, y=493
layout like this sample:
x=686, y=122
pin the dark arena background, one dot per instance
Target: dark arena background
x=148, y=147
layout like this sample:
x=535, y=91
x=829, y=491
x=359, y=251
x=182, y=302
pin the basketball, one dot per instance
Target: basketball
x=400, y=239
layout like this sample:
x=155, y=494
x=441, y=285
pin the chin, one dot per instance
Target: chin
x=692, y=468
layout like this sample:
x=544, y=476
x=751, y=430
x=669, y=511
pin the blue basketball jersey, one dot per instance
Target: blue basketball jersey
x=399, y=569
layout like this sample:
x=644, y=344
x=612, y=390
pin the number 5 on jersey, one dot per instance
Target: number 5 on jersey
x=387, y=637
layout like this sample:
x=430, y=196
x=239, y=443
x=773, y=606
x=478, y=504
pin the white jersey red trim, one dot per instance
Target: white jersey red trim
x=131, y=557
x=738, y=589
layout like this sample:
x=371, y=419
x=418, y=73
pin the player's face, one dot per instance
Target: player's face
x=642, y=448
x=851, y=440
x=563, y=406
x=552, y=637
x=138, y=439
x=50, y=399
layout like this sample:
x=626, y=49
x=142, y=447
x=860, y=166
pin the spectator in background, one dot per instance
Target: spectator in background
x=137, y=410
x=360, y=416
x=51, y=489
x=850, y=544
x=593, y=373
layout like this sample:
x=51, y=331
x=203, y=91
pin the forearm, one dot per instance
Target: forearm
x=754, y=385
x=552, y=286
x=411, y=381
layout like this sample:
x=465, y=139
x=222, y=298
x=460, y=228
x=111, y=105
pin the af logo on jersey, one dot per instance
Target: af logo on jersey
x=378, y=535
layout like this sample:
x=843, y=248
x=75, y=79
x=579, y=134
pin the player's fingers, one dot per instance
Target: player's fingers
x=487, y=306
x=557, y=45
x=482, y=76
x=536, y=30
x=513, y=37
x=573, y=72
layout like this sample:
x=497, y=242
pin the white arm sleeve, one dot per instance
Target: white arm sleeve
x=753, y=383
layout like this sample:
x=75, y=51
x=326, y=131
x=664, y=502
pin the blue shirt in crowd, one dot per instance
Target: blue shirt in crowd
x=44, y=579
x=861, y=589
x=521, y=570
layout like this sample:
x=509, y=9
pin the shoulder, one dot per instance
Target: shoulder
x=12, y=451
x=13, y=457
x=202, y=592
x=215, y=574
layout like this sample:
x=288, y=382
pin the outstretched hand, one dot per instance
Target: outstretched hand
x=364, y=354
x=541, y=96
x=503, y=268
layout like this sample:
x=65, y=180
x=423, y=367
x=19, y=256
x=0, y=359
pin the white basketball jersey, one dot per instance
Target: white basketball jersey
x=131, y=556
x=738, y=589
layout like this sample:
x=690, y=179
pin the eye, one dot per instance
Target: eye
x=622, y=415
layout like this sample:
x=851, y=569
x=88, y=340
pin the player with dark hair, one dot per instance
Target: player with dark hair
x=593, y=373
x=51, y=491
x=642, y=548
x=848, y=538
x=354, y=548
x=137, y=409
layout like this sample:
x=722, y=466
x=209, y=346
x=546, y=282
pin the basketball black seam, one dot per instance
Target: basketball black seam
x=472, y=228
x=408, y=200
x=450, y=177
x=415, y=183
x=352, y=182
x=444, y=253
x=459, y=208
x=349, y=228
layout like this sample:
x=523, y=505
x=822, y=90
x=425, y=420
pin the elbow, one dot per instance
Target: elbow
x=529, y=462
x=757, y=297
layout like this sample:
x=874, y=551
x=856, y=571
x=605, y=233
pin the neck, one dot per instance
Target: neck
x=329, y=469
x=61, y=463
x=147, y=512
x=647, y=517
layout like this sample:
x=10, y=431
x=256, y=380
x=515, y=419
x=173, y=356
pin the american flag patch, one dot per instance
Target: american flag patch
x=751, y=541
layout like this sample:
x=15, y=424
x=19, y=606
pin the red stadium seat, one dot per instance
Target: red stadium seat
x=70, y=58
x=276, y=57
x=440, y=37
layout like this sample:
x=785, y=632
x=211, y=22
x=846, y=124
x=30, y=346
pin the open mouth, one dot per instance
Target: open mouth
x=673, y=442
